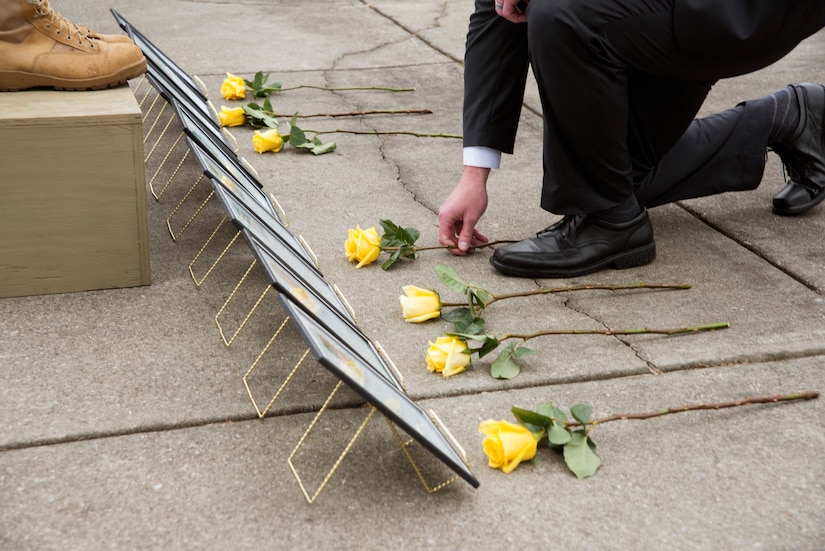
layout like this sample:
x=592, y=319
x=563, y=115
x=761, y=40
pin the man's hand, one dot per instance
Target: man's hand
x=461, y=211
x=511, y=10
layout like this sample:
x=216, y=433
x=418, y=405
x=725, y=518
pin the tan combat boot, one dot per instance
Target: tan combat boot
x=40, y=48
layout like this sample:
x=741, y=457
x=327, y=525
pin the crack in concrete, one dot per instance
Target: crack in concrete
x=381, y=140
x=650, y=365
x=415, y=34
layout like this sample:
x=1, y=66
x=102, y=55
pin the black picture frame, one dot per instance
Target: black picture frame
x=329, y=350
x=173, y=95
x=245, y=189
x=213, y=143
x=245, y=215
x=319, y=300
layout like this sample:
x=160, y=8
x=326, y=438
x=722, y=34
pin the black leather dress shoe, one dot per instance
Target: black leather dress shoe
x=803, y=155
x=579, y=245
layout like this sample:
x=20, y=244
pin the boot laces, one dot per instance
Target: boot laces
x=70, y=28
x=790, y=174
x=788, y=171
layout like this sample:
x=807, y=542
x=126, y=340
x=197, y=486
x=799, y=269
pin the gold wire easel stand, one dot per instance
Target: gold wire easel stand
x=405, y=446
x=192, y=218
x=262, y=412
x=228, y=342
x=199, y=282
x=163, y=162
x=311, y=497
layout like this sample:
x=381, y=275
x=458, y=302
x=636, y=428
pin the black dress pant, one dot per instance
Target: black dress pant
x=619, y=97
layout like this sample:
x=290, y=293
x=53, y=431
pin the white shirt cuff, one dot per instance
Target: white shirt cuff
x=482, y=157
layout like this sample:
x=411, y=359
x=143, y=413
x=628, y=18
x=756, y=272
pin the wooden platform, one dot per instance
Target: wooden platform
x=72, y=192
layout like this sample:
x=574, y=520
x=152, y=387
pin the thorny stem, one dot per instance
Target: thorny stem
x=385, y=88
x=808, y=395
x=583, y=287
x=385, y=132
x=437, y=247
x=638, y=331
x=358, y=113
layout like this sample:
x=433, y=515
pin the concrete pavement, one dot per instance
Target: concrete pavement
x=126, y=424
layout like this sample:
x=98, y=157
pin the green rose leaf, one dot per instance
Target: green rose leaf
x=531, y=417
x=488, y=345
x=523, y=351
x=463, y=321
x=297, y=138
x=477, y=326
x=396, y=237
x=324, y=148
x=581, y=413
x=259, y=85
x=580, y=456
x=392, y=259
x=450, y=278
x=258, y=118
x=549, y=410
x=504, y=367
x=391, y=229
x=260, y=78
x=475, y=302
x=477, y=338
x=481, y=294
x=558, y=436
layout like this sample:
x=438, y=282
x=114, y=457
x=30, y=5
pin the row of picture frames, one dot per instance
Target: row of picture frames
x=317, y=309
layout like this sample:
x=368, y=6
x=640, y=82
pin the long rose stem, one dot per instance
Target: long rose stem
x=582, y=287
x=437, y=247
x=639, y=331
x=333, y=89
x=808, y=395
x=359, y=113
x=385, y=132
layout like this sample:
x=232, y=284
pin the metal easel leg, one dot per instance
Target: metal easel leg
x=199, y=282
x=182, y=201
x=228, y=342
x=311, y=498
x=262, y=412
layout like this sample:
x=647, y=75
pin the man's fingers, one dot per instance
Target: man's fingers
x=465, y=242
x=479, y=238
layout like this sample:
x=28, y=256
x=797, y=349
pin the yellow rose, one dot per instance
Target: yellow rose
x=233, y=87
x=269, y=140
x=420, y=304
x=362, y=246
x=233, y=116
x=446, y=356
x=507, y=444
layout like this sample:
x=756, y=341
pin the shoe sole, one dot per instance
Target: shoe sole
x=621, y=261
x=15, y=81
